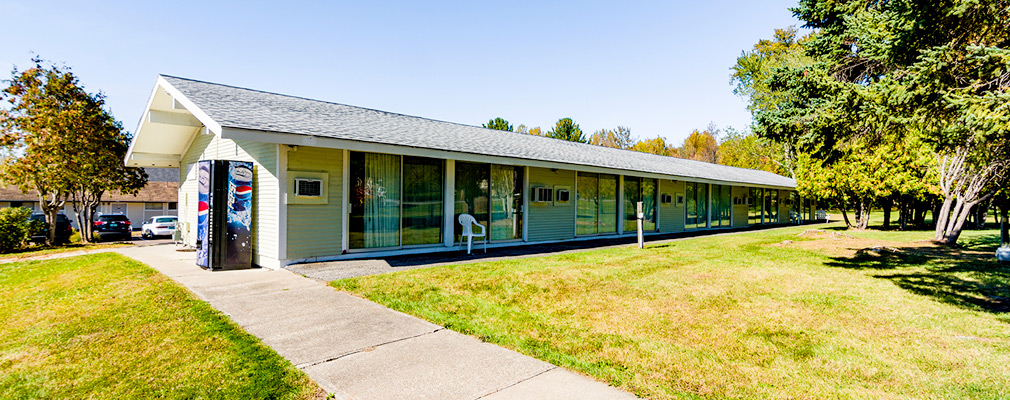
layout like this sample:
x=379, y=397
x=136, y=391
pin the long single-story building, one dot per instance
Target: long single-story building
x=333, y=181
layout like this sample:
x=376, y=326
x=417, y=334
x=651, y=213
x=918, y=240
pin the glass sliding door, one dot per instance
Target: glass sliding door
x=771, y=206
x=596, y=209
x=696, y=206
x=636, y=190
x=422, y=200
x=754, y=201
x=691, y=206
x=649, y=204
x=607, y=222
x=716, y=206
x=493, y=194
x=587, y=204
x=375, y=201
x=726, y=199
x=472, y=184
x=794, y=208
x=506, y=202
x=632, y=195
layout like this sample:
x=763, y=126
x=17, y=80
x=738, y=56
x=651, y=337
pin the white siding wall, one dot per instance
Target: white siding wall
x=265, y=190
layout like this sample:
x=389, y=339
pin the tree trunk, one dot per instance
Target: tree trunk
x=863, y=218
x=903, y=215
x=956, y=224
x=845, y=215
x=887, y=213
x=981, y=215
x=1005, y=225
x=51, y=204
x=941, y=218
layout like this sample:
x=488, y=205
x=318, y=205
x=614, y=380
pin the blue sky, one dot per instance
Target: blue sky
x=660, y=68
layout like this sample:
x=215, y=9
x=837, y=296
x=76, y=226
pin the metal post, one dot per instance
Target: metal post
x=641, y=216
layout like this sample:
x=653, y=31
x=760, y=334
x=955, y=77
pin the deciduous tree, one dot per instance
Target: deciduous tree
x=655, y=146
x=619, y=138
x=701, y=145
x=63, y=144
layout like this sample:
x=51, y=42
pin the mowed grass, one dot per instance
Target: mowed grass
x=772, y=314
x=104, y=326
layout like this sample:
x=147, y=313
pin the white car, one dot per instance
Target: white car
x=162, y=225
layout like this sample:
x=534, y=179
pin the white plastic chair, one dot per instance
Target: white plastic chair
x=468, y=221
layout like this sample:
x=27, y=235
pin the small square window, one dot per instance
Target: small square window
x=563, y=196
x=543, y=194
x=308, y=187
x=666, y=198
x=173, y=205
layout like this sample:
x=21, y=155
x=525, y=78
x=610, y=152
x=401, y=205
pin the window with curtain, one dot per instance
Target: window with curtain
x=374, y=219
x=587, y=204
x=422, y=200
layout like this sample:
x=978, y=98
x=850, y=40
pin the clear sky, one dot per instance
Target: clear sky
x=660, y=68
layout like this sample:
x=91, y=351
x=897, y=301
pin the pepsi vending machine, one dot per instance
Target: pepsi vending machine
x=224, y=215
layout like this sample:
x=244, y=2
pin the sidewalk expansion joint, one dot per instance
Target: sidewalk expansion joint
x=363, y=349
x=553, y=367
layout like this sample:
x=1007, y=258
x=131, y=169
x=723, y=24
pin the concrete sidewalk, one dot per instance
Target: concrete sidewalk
x=357, y=349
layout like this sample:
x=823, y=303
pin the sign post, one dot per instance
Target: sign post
x=641, y=216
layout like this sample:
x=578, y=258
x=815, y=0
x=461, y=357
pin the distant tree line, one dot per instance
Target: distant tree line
x=709, y=145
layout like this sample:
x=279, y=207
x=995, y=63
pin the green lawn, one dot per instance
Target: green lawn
x=104, y=326
x=779, y=314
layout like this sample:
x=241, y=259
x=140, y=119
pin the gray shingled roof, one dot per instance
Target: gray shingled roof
x=250, y=109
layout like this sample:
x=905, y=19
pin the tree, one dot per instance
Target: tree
x=46, y=107
x=909, y=67
x=65, y=145
x=746, y=150
x=101, y=146
x=655, y=146
x=619, y=138
x=566, y=129
x=535, y=131
x=701, y=145
x=753, y=68
x=751, y=79
x=498, y=123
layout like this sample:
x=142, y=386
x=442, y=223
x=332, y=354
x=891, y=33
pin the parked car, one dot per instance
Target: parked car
x=63, y=228
x=113, y=225
x=162, y=225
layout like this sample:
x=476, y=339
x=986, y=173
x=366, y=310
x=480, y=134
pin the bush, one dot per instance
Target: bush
x=14, y=231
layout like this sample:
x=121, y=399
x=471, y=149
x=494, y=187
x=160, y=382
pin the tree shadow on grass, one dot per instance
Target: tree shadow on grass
x=967, y=276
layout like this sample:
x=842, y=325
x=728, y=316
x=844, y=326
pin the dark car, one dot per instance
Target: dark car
x=63, y=228
x=113, y=225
